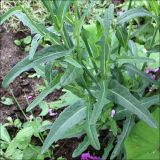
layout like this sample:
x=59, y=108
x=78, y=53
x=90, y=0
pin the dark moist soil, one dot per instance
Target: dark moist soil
x=24, y=87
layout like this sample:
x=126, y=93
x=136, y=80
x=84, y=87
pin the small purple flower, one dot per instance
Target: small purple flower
x=85, y=156
x=51, y=113
x=30, y=97
x=152, y=76
x=113, y=112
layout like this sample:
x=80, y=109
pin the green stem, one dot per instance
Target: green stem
x=129, y=6
x=18, y=105
x=151, y=44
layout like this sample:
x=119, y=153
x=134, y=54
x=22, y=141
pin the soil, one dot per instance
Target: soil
x=23, y=87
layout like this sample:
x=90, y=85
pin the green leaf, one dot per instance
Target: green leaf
x=134, y=69
x=54, y=85
x=127, y=126
x=108, y=17
x=113, y=126
x=34, y=45
x=122, y=36
x=155, y=49
x=75, y=131
x=27, y=40
x=62, y=9
x=21, y=140
x=133, y=48
x=49, y=72
x=72, y=62
x=108, y=148
x=154, y=4
x=65, y=100
x=81, y=147
x=121, y=95
x=67, y=119
x=70, y=75
x=133, y=13
x=6, y=101
x=89, y=50
x=105, y=54
x=92, y=135
x=91, y=130
x=133, y=59
x=143, y=141
x=47, y=54
x=17, y=42
x=43, y=105
x=101, y=102
x=149, y=101
x=27, y=21
x=4, y=134
x=9, y=13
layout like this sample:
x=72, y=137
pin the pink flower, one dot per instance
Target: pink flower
x=30, y=97
x=51, y=113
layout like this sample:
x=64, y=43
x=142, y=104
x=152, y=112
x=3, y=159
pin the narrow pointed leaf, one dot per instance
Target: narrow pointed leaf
x=133, y=13
x=146, y=102
x=149, y=101
x=70, y=75
x=121, y=95
x=108, y=17
x=93, y=136
x=72, y=62
x=9, y=13
x=62, y=9
x=105, y=54
x=128, y=124
x=122, y=36
x=134, y=59
x=81, y=147
x=91, y=130
x=101, y=102
x=67, y=119
x=47, y=54
x=34, y=45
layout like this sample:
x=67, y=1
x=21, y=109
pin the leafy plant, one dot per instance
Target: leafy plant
x=96, y=62
x=21, y=147
x=6, y=101
x=137, y=143
x=24, y=42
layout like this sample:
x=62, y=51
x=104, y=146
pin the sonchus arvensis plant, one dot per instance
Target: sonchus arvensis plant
x=99, y=63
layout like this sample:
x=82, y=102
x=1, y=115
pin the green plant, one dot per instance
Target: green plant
x=24, y=42
x=6, y=101
x=21, y=146
x=99, y=63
